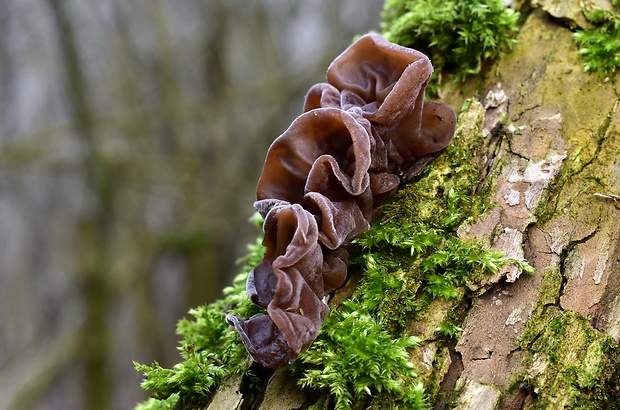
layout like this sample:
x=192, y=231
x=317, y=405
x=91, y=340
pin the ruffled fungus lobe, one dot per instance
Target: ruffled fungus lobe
x=325, y=176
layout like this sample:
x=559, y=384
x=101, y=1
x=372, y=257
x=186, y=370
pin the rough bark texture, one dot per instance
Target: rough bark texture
x=551, y=170
x=558, y=152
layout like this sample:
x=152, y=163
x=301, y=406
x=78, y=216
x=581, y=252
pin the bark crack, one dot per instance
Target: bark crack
x=491, y=154
x=525, y=111
x=603, y=135
x=253, y=387
x=565, y=252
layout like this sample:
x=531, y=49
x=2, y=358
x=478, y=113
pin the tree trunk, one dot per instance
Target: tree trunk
x=549, y=160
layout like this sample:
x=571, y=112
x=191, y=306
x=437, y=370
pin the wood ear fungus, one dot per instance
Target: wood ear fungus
x=325, y=176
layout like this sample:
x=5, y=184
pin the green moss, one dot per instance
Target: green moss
x=550, y=287
x=211, y=351
x=356, y=358
x=567, y=360
x=457, y=35
x=155, y=404
x=600, y=46
x=449, y=330
x=570, y=364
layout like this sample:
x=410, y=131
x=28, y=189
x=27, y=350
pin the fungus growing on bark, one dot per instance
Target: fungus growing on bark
x=325, y=176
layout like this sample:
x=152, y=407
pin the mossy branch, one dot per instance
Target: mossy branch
x=365, y=351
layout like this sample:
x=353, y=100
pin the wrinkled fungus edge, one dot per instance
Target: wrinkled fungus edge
x=324, y=179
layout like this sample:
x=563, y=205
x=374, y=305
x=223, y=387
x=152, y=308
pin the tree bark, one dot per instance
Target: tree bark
x=552, y=139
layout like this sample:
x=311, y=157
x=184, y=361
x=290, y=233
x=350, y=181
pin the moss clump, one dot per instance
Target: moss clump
x=456, y=35
x=356, y=358
x=155, y=404
x=601, y=46
x=570, y=364
x=449, y=330
x=211, y=351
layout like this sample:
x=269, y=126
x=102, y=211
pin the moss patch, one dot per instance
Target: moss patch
x=567, y=360
x=600, y=46
x=355, y=358
x=155, y=404
x=457, y=35
x=211, y=351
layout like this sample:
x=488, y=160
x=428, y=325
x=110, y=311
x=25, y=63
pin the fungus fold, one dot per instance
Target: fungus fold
x=323, y=179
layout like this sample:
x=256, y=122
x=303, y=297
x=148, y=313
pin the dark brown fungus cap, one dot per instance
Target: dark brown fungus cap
x=382, y=74
x=323, y=179
x=326, y=143
x=288, y=282
x=390, y=80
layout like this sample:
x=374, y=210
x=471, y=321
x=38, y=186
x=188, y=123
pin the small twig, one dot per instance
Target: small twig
x=613, y=197
x=608, y=196
x=418, y=166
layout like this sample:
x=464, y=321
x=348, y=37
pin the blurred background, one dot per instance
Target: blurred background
x=132, y=134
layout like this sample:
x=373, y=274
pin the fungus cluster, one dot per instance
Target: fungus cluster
x=325, y=176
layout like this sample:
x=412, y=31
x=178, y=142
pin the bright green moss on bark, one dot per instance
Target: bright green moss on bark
x=600, y=46
x=155, y=404
x=355, y=358
x=569, y=363
x=211, y=351
x=457, y=35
